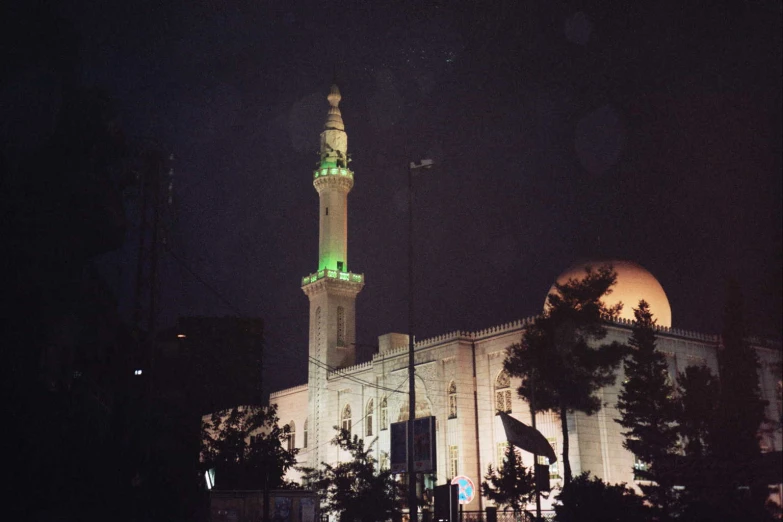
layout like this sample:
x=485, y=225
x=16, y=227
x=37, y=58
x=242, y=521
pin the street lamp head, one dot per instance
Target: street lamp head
x=423, y=164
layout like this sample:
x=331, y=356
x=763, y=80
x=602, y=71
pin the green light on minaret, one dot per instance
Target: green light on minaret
x=329, y=261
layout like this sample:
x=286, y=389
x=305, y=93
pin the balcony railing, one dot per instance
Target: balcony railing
x=332, y=171
x=333, y=274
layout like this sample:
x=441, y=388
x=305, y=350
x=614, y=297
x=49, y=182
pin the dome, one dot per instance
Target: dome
x=633, y=284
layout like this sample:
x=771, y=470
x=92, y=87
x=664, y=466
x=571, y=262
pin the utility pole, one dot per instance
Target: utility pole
x=535, y=456
x=412, y=500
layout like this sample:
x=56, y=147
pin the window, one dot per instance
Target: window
x=327, y=211
x=346, y=420
x=340, y=266
x=291, y=436
x=639, y=468
x=503, y=393
x=384, y=414
x=452, y=400
x=340, y=325
x=453, y=461
x=384, y=461
x=368, y=416
x=501, y=455
x=554, y=473
x=304, y=434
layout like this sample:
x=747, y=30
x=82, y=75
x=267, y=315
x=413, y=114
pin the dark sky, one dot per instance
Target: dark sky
x=561, y=131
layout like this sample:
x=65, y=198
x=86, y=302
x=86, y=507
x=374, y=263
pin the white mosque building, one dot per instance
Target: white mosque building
x=459, y=375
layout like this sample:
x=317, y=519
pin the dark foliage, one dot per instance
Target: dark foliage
x=698, y=405
x=719, y=425
x=245, y=446
x=741, y=408
x=560, y=366
x=590, y=499
x=648, y=408
x=356, y=489
x=512, y=485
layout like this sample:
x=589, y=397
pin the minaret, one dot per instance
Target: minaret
x=332, y=289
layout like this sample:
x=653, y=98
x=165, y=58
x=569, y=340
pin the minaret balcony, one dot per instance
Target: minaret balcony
x=333, y=171
x=333, y=274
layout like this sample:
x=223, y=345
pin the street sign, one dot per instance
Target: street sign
x=467, y=490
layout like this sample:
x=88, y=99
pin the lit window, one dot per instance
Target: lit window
x=453, y=461
x=501, y=456
x=304, y=434
x=291, y=436
x=137, y=372
x=503, y=393
x=346, y=424
x=554, y=472
x=384, y=414
x=639, y=468
x=452, y=400
x=384, y=461
x=368, y=417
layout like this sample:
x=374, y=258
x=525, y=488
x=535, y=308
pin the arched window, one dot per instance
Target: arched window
x=346, y=420
x=452, y=390
x=340, y=326
x=503, y=393
x=369, y=418
x=384, y=414
x=291, y=436
x=304, y=434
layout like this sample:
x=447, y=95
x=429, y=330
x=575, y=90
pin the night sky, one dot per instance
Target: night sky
x=560, y=131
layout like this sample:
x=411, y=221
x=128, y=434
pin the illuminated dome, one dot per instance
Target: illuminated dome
x=633, y=284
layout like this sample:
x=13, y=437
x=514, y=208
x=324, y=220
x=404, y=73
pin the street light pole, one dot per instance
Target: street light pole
x=412, y=500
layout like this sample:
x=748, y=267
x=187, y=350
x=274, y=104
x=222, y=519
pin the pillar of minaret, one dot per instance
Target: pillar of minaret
x=333, y=181
x=332, y=289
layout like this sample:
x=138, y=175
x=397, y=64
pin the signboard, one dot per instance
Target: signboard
x=399, y=445
x=446, y=502
x=424, y=460
x=424, y=451
x=467, y=490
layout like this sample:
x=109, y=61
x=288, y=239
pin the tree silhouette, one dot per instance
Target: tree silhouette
x=356, y=489
x=559, y=365
x=246, y=447
x=648, y=408
x=511, y=485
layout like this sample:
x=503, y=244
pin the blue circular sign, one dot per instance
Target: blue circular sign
x=467, y=490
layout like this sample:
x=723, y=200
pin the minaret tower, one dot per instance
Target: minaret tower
x=332, y=289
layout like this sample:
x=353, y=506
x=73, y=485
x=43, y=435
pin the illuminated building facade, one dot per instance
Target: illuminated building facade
x=459, y=375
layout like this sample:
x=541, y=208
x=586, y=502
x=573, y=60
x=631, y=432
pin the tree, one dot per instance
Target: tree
x=511, y=485
x=648, y=408
x=720, y=422
x=741, y=408
x=560, y=368
x=698, y=404
x=246, y=448
x=356, y=489
x=591, y=499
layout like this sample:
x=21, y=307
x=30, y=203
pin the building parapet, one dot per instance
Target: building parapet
x=504, y=328
x=678, y=332
x=287, y=391
x=349, y=369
